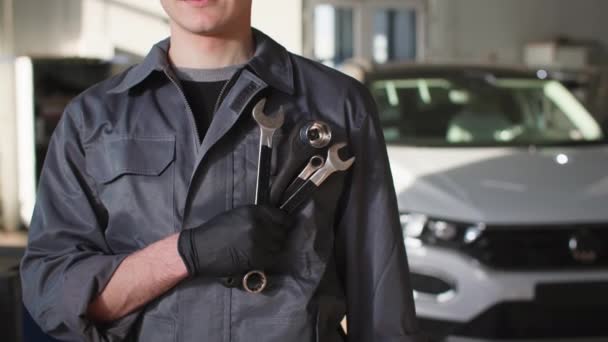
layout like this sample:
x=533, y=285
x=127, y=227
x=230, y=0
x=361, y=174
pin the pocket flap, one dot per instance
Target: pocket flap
x=148, y=156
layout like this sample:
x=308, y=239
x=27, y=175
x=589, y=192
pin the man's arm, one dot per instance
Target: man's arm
x=140, y=278
x=370, y=252
x=68, y=261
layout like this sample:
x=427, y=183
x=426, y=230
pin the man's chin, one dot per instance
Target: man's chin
x=203, y=29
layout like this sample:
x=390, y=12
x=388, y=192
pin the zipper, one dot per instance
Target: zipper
x=219, y=98
x=198, y=141
x=225, y=87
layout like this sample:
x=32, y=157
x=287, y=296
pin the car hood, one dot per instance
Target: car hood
x=503, y=185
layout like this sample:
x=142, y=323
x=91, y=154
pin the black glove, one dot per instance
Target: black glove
x=235, y=242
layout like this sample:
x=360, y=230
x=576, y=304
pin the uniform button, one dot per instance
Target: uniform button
x=230, y=281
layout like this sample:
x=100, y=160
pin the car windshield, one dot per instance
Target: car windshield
x=482, y=111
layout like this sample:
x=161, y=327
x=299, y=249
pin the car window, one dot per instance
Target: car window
x=481, y=111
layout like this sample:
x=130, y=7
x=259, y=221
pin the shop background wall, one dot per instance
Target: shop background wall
x=282, y=20
x=49, y=27
x=455, y=34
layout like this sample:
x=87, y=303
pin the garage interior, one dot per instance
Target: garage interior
x=502, y=215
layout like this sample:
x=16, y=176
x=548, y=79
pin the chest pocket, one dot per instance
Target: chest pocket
x=135, y=177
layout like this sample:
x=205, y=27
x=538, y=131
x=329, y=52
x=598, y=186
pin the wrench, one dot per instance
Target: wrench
x=315, y=163
x=255, y=281
x=305, y=140
x=268, y=125
x=333, y=164
x=316, y=134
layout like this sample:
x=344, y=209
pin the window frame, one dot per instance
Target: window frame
x=363, y=16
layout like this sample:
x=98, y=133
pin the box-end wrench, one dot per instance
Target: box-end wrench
x=268, y=125
x=333, y=164
x=316, y=134
x=315, y=163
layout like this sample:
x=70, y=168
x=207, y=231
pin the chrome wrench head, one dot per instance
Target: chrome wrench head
x=268, y=124
x=316, y=134
x=315, y=163
x=333, y=163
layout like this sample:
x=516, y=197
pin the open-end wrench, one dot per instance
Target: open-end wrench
x=255, y=281
x=268, y=125
x=315, y=163
x=333, y=163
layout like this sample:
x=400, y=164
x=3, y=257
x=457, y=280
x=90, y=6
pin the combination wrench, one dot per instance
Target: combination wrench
x=315, y=163
x=255, y=281
x=268, y=126
x=333, y=163
x=316, y=134
x=305, y=140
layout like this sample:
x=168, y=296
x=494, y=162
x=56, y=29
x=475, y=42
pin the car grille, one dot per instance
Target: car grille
x=575, y=310
x=536, y=247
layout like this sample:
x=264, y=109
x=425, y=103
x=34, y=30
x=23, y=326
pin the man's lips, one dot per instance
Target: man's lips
x=197, y=3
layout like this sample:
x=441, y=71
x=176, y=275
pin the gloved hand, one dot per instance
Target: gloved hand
x=235, y=242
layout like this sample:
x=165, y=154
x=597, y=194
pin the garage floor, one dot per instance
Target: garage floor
x=10, y=291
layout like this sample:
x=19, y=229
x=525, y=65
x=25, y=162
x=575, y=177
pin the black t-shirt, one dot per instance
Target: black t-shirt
x=203, y=88
x=202, y=98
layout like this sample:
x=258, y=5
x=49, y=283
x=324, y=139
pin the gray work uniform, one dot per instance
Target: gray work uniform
x=124, y=169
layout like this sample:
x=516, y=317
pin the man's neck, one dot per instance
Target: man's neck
x=188, y=50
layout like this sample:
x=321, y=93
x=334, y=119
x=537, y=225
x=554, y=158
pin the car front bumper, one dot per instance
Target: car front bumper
x=489, y=303
x=468, y=339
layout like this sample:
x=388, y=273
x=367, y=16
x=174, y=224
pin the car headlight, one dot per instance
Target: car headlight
x=425, y=230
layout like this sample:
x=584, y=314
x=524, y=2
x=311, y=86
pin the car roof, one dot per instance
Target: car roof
x=412, y=70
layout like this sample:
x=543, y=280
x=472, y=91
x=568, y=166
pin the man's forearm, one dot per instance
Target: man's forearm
x=140, y=278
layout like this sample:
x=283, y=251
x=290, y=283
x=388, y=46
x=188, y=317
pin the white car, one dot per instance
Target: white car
x=502, y=181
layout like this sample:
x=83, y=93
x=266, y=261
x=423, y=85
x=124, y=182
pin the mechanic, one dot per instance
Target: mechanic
x=144, y=212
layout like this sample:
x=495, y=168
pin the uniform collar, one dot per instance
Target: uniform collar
x=271, y=62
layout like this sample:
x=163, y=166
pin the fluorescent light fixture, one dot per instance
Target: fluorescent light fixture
x=26, y=151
